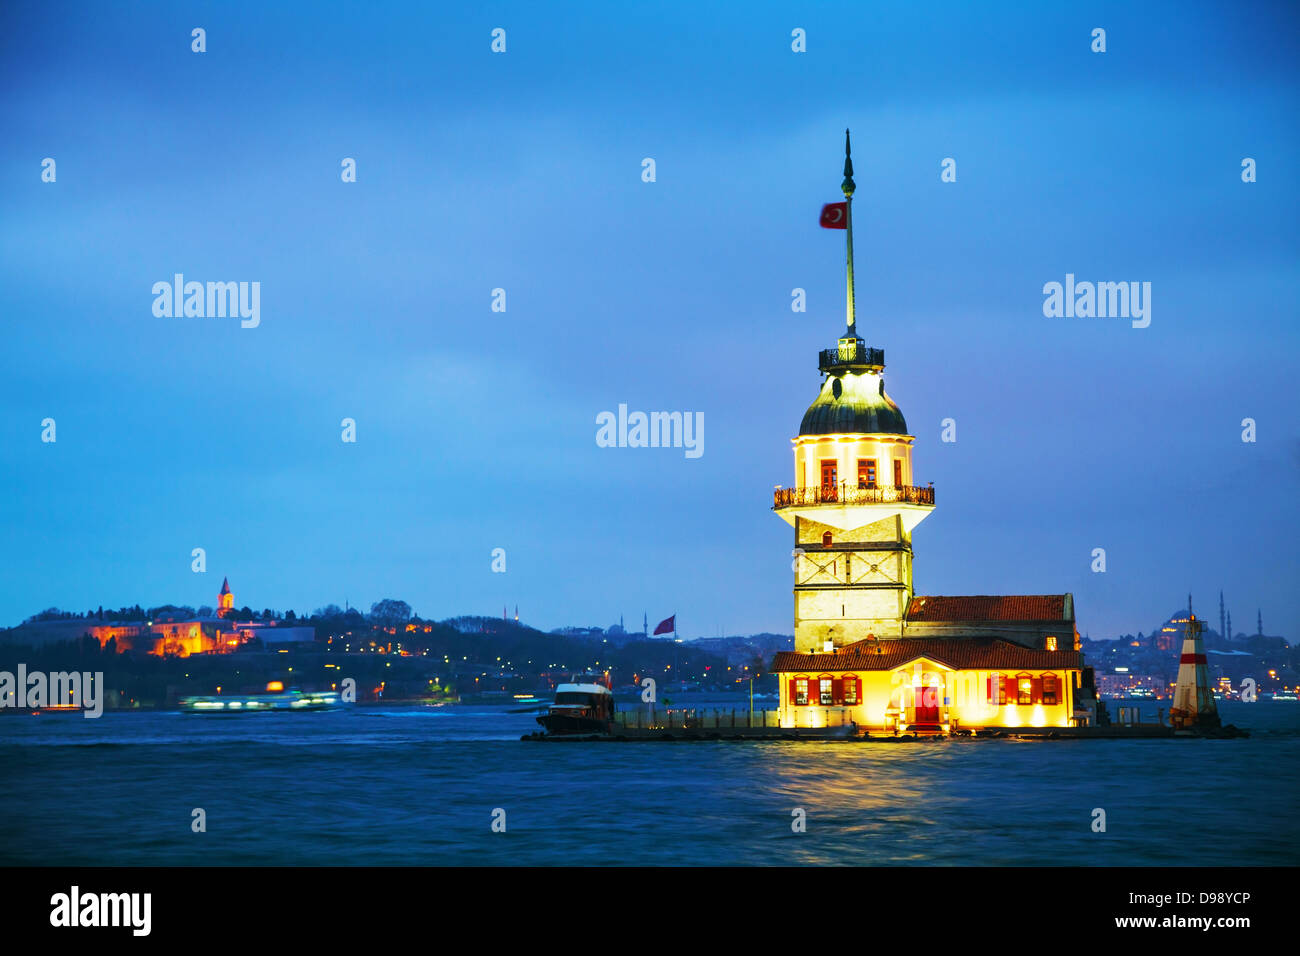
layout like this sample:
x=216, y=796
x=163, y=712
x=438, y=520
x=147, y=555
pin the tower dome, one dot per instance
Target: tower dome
x=853, y=403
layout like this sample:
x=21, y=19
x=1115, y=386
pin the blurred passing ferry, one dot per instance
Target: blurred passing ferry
x=276, y=699
x=583, y=706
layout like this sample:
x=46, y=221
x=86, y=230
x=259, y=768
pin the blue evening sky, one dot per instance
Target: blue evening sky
x=522, y=170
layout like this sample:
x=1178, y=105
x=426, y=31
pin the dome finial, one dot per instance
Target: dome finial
x=848, y=185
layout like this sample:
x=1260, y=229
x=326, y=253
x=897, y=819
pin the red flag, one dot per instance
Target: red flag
x=667, y=625
x=835, y=215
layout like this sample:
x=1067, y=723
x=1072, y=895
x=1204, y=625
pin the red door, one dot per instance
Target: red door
x=927, y=706
x=829, y=476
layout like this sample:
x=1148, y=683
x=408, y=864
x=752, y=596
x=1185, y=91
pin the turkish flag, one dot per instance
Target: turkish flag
x=667, y=625
x=835, y=215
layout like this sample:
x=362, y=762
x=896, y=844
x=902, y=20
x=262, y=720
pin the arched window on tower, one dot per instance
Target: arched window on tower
x=826, y=540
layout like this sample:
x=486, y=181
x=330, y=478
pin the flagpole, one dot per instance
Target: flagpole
x=848, y=186
x=678, y=676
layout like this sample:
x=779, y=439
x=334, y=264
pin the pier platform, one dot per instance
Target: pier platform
x=696, y=725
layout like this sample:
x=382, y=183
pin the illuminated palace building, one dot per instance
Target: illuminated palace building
x=171, y=636
x=868, y=650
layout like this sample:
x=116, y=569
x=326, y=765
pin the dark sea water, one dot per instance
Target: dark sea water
x=418, y=786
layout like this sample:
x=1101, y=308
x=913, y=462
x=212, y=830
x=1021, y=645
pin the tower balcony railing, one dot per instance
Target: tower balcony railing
x=846, y=493
x=850, y=355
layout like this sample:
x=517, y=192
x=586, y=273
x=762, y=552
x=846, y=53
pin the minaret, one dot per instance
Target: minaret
x=1223, y=628
x=1259, y=622
x=1229, y=634
x=1193, y=705
x=225, y=599
x=854, y=503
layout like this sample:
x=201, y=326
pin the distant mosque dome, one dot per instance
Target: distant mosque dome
x=853, y=403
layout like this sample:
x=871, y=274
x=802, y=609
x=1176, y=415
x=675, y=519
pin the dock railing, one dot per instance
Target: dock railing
x=1132, y=716
x=694, y=718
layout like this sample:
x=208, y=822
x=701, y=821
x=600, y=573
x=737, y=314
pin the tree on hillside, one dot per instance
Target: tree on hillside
x=390, y=613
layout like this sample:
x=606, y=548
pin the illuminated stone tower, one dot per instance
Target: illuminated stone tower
x=225, y=600
x=854, y=502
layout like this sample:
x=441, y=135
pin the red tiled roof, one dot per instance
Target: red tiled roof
x=960, y=653
x=989, y=607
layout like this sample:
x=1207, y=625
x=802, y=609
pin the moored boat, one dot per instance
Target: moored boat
x=584, y=706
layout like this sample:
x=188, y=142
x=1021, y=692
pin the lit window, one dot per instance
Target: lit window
x=1049, y=689
x=850, y=690
x=830, y=470
x=827, y=690
x=801, y=691
x=997, y=689
x=1051, y=643
x=866, y=472
x=1025, y=690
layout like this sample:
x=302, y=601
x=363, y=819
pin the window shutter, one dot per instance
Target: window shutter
x=988, y=688
x=792, y=692
x=1038, y=690
x=837, y=689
